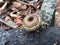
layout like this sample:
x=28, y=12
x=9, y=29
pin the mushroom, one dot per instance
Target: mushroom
x=31, y=22
x=16, y=17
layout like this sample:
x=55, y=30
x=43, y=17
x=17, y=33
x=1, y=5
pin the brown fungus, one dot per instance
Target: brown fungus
x=31, y=22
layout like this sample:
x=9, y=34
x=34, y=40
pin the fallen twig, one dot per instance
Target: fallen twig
x=9, y=23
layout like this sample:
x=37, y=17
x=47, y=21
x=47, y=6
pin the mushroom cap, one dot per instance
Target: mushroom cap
x=31, y=22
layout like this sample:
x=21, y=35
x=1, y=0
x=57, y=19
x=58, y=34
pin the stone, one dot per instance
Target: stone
x=47, y=10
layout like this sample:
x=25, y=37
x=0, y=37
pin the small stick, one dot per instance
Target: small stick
x=27, y=4
x=2, y=9
x=4, y=6
x=9, y=23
